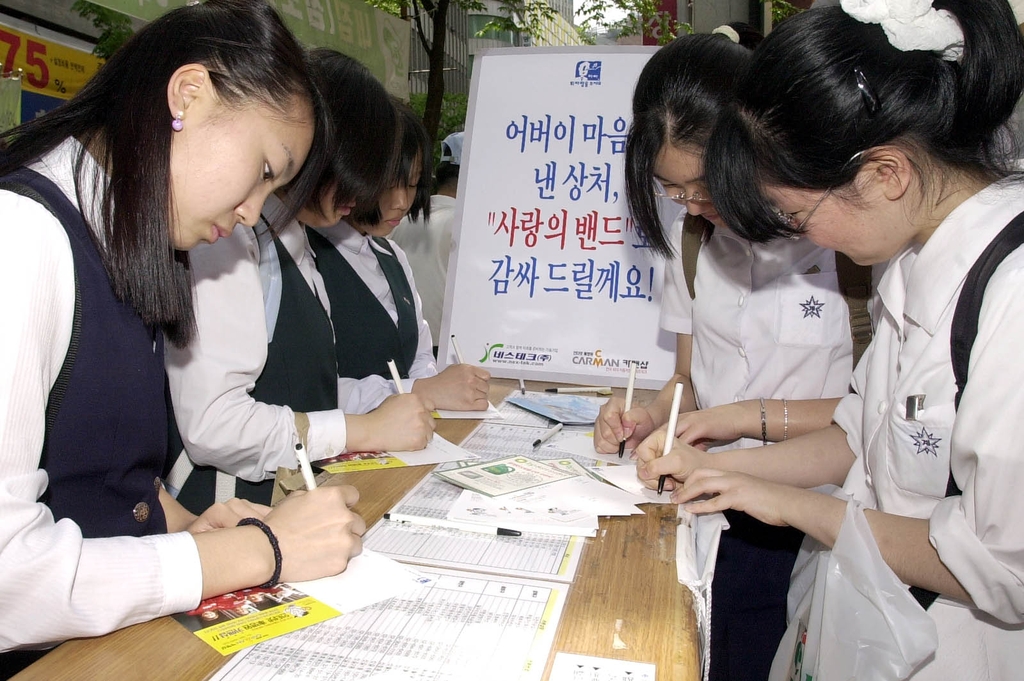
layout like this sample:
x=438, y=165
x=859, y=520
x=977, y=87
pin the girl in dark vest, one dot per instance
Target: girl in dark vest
x=376, y=311
x=262, y=374
x=179, y=137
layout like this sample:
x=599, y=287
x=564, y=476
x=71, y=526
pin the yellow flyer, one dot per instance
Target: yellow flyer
x=438, y=450
x=241, y=619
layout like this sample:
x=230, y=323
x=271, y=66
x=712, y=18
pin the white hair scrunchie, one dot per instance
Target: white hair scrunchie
x=729, y=32
x=911, y=25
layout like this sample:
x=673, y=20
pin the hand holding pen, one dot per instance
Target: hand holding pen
x=670, y=433
x=629, y=403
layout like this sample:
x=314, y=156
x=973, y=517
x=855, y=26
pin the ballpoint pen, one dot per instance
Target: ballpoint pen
x=458, y=352
x=452, y=524
x=547, y=435
x=670, y=434
x=629, y=402
x=522, y=386
x=600, y=390
x=305, y=466
x=395, y=376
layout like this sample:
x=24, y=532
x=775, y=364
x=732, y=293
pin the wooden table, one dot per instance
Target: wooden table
x=624, y=603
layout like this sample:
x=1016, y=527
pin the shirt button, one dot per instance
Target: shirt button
x=141, y=512
x=743, y=353
x=882, y=407
x=742, y=300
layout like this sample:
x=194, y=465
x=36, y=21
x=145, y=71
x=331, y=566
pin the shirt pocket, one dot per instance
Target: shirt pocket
x=918, y=460
x=810, y=311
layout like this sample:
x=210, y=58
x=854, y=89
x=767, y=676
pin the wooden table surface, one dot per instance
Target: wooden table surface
x=625, y=602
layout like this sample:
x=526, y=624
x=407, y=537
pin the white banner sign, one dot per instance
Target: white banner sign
x=548, y=278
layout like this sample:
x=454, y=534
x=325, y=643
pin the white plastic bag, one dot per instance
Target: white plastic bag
x=697, y=538
x=859, y=621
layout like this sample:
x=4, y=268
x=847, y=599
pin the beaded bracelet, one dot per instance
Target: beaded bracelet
x=255, y=522
x=785, y=420
x=764, y=424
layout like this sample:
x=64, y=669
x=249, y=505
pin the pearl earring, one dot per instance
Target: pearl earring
x=176, y=123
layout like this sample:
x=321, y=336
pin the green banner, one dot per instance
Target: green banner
x=10, y=103
x=377, y=39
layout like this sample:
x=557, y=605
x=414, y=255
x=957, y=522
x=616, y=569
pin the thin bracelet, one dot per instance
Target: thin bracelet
x=764, y=424
x=785, y=420
x=255, y=522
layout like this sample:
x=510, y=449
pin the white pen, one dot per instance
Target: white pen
x=458, y=352
x=629, y=402
x=522, y=386
x=395, y=376
x=305, y=466
x=547, y=435
x=670, y=435
x=451, y=524
x=600, y=390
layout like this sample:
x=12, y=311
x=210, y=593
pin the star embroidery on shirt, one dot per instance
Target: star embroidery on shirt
x=926, y=442
x=812, y=308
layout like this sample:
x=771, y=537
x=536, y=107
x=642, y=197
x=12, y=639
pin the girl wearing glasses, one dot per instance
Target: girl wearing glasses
x=762, y=336
x=897, y=112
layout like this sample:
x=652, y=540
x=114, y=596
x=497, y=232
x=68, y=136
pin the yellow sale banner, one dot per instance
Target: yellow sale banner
x=49, y=67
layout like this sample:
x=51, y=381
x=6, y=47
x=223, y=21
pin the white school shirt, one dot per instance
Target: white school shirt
x=427, y=245
x=358, y=396
x=211, y=380
x=902, y=465
x=55, y=585
x=768, y=320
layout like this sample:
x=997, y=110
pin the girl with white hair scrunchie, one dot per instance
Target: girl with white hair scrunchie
x=878, y=129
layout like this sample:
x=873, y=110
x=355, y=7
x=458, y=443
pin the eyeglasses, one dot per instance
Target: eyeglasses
x=799, y=225
x=681, y=197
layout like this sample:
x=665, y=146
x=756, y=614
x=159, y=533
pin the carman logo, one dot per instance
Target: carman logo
x=588, y=74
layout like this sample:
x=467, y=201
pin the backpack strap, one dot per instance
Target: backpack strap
x=965, y=330
x=60, y=386
x=695, y=231
x=855, y=286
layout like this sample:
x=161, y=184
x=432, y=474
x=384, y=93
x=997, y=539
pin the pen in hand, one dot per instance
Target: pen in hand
x=547, y=435
x=629, y=402
x=670, y=434
x=305, y=466
x=396, y=377
x=458, y=352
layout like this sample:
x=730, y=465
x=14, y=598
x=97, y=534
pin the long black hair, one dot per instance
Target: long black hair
x=415, y=148
x=678, y=97
x=121, y=115
x=363, y=151
x=824, y=87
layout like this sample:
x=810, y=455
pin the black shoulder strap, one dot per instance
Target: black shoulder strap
x=60, y=386
x=696, y=230
x=965, y=330
x=855, y=286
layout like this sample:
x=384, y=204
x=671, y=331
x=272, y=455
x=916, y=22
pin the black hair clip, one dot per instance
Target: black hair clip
x=871, y=102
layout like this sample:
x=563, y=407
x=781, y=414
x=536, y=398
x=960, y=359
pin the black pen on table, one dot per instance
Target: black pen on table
x=547, y=435
x=629, y=402
x=451, y=524
x=670, y=434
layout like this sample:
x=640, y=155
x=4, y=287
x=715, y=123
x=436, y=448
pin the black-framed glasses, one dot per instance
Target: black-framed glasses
x=798, y=225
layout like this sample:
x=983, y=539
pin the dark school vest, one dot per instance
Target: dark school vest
x=106, y=447
x=299, y=373
x=365, y=337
